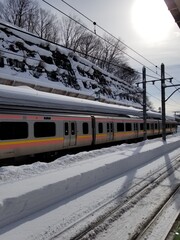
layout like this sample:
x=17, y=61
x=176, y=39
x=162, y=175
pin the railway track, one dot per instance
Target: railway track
x=149, y=231
x=121, y=204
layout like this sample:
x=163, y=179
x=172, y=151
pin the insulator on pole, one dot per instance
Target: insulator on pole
x=94, y=27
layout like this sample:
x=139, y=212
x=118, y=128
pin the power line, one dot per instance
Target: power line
x=27, y=57
x=159, y=99
x=96, y=58
x=112, y=35
x=79, y=52
x=38, y=60
x=58, y=45
x=73, y=50
x=108, y=32
x=97, y=35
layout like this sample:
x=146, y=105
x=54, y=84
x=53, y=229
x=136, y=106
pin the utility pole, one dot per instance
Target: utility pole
x=163, y=102
x=144, y=103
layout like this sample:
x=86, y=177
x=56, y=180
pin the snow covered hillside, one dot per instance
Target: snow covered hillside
x=28, y=60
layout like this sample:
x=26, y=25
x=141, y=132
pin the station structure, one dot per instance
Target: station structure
x=174, y=8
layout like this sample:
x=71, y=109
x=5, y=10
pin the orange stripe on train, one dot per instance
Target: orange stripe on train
x=29, y=143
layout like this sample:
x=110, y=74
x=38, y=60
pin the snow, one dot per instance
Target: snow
x=37, y=97
x=34, y=52
x=39, y=200
x=28, y=96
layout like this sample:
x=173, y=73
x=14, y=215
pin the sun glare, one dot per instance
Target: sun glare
x=151, y=20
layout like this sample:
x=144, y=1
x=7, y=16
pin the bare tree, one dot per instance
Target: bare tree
x=32, y=19
x=1, y=10
x=47, y=26
x=112, y=54
x=71, y=32
x=28, y=15
x=128, y=74
x=107, y=54
x=55, y=33
x=16, y=11
x=90, y=46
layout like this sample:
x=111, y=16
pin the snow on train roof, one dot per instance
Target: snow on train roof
x=26, y=96
x=29, y=97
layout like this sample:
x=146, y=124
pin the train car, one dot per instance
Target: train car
x=113, y=129
x=29, y=134
x=33, y=122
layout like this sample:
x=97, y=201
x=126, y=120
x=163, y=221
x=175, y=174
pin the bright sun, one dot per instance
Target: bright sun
x=151, y=19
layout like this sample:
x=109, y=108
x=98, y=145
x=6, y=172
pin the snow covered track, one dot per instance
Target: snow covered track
x=168, y=211
x=132, y=196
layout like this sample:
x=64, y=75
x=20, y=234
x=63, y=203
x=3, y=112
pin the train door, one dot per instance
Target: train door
x=70, y=134
x=136, y=129
x=110, y=131
x=152, y=128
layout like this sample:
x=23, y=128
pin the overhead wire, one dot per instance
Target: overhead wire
x=75, y=9
x=159, y=99
x=77, y=51
x=98, y=35
x=30, y=34
x=112, y=36
x=107, y=33
x=33, y=58
x=103, y=38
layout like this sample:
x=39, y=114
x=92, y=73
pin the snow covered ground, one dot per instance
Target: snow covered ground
x=41, y=200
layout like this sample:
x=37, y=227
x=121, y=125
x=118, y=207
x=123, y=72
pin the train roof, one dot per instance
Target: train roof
x=27, y=99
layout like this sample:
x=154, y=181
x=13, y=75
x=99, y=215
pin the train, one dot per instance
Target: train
x=31, y=123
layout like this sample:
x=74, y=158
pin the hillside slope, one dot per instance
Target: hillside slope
x=26, y=59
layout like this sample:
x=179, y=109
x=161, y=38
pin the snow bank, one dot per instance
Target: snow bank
x=22, y=198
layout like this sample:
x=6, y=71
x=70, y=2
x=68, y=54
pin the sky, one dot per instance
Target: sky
x=146, y=26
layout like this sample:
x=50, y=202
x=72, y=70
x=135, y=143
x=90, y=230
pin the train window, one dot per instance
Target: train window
x=135, y=126
x=100, y=128
x=141, y=126
x=112, y=127
x=72, y=128
x=120, y=127
x=156, y=126
x=44, y=129
x=107, y=127
x=66, y=128
x=128, y=127
x=152, y=126
x=13, y=130
x=85, y=128
x=147, y=126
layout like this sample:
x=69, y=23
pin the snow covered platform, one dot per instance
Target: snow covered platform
x=28, y=189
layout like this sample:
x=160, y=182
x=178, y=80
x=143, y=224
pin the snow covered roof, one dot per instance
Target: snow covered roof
x=24, y=97
x=174, y=8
